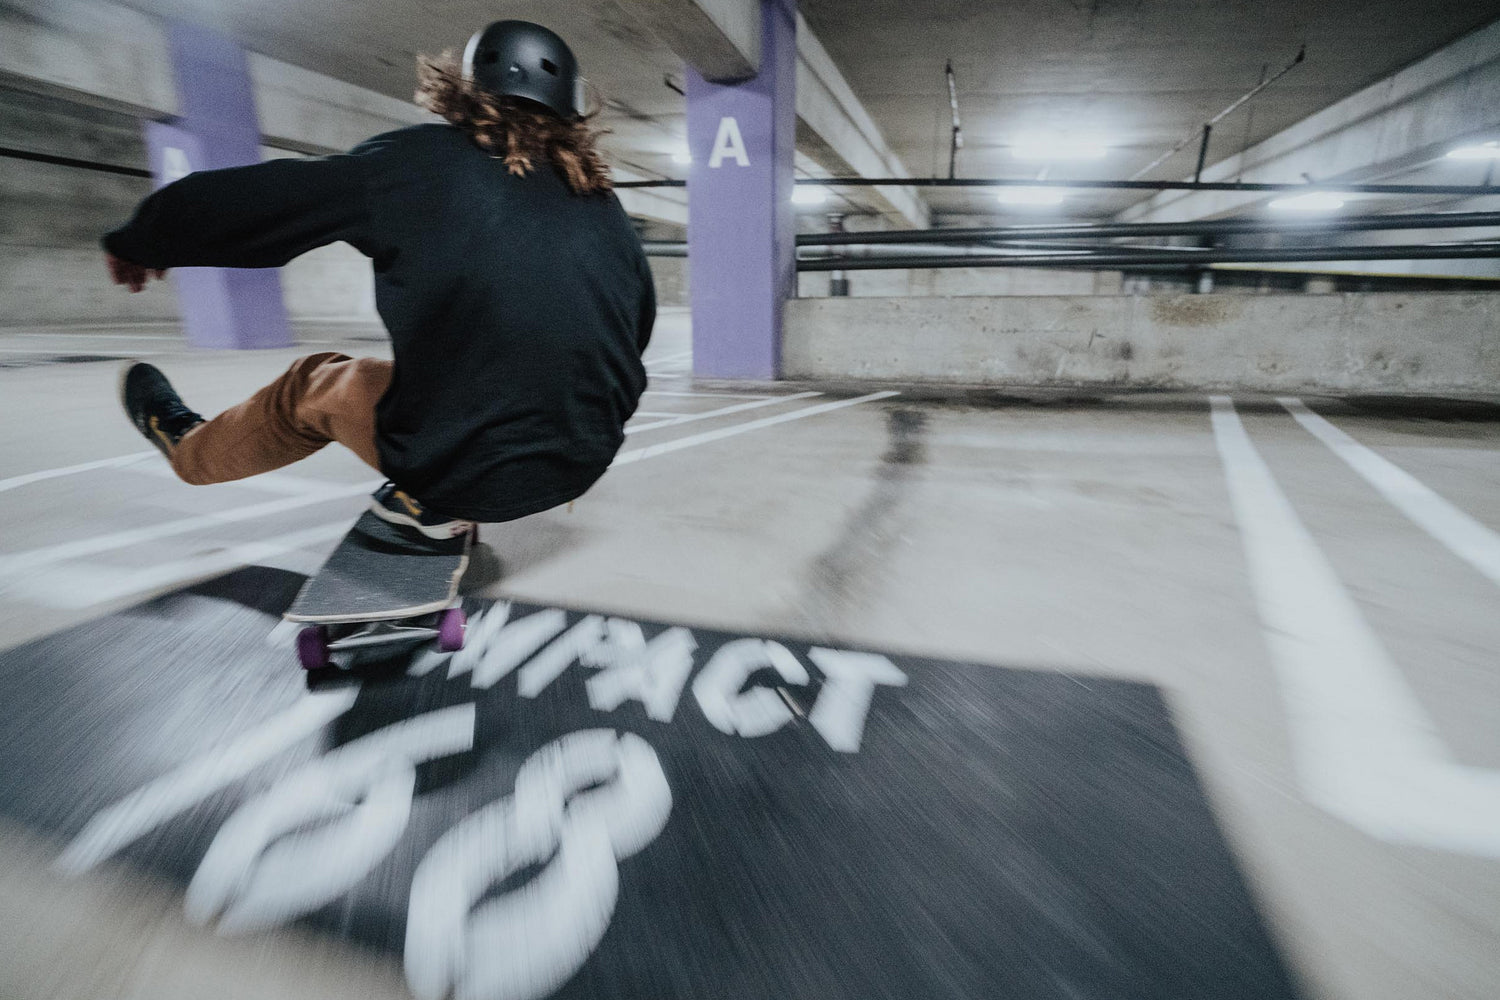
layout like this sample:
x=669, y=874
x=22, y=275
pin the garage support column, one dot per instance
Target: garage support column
x=741, y=231
x=218, y=127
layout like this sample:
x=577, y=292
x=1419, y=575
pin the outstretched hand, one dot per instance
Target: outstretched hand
x=133, y=276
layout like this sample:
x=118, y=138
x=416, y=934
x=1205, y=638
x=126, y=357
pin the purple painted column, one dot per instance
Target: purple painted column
x=741, y=232
x=217, y=127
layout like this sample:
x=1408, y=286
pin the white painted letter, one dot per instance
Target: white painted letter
x=527, y=943
x=268, y=864
x=653, y=674
x=548, y=665
x=839, y=713
x=751, y=713
x=178, y=791
x=729, y=143
x=174, y=165
x=503, y=651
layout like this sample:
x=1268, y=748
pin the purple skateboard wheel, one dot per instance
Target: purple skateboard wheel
x=451, y=630
x=312, y=647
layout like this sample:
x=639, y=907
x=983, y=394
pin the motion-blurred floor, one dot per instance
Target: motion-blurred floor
x=1095, y=536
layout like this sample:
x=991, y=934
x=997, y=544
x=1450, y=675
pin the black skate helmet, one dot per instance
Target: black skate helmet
x=521, y=59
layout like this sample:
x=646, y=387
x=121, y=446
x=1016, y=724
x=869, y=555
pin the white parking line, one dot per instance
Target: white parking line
x=1363, y=748
x=110, y=331
x=29, y=560
x=68, y=470
x=731, y=395
x=723, y=411
x=177, y=791
x=666, y=447
x=64, y=353
x=90, y=583
x=284, y=483
x=1464, y=536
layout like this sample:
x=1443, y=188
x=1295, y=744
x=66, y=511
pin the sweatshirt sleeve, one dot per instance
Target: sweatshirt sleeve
x=260, y=215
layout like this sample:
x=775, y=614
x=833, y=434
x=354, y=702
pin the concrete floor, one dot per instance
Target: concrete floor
x=1095, y=536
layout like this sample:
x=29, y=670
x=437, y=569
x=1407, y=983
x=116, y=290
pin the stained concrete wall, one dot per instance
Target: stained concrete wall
x=1349, y=342
x=965, y=281
x=51, y=217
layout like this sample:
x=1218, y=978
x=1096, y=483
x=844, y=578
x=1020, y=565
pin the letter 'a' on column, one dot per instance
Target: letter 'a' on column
x=217, y=127
x=741, y=231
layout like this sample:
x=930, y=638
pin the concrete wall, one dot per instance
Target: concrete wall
x=671, y=277
x=965, y=281
x=1349, y=342
x=79, y=77
x=51, y=217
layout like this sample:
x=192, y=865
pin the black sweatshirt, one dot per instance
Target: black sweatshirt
x=517, y=310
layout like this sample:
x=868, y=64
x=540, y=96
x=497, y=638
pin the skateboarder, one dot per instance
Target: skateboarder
x=515, y=291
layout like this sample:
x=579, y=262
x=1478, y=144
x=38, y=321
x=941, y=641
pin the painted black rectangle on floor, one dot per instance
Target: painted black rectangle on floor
x=589, y=806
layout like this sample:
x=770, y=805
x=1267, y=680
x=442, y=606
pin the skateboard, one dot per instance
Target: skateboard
x=385, y=585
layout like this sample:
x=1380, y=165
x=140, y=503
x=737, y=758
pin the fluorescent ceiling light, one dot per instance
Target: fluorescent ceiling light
x=1036, y=197
x=1049, y=148
x=1313, y=201
x=809, y=194
x=1483, y=151
x=682, y=156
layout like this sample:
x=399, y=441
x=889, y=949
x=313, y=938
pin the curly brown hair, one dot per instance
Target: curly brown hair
x=516, y=130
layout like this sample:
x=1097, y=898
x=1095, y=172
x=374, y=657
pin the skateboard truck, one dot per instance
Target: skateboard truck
x=320, y=646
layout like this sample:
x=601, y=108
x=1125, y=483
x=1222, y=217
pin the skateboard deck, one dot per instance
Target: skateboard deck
x=382, y=572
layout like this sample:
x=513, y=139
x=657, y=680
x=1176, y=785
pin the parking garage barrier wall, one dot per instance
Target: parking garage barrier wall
x=1351, y=342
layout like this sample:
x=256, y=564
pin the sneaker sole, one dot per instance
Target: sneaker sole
x=440, y=532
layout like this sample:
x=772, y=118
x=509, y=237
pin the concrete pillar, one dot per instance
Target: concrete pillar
x=741, y=232
x=218, y=127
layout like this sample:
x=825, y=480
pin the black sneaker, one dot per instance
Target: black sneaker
x=154, y=406
x=399, y=507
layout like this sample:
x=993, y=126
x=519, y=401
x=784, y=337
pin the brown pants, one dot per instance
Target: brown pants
x=321, y=398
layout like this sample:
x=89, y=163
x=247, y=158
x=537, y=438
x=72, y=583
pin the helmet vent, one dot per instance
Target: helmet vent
x=549, y=66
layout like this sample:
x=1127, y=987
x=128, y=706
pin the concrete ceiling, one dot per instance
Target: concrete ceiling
x=1144, y=73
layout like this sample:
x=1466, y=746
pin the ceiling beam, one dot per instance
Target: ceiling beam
x=835, y=130
x=720, y=39
x=1390, y=127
